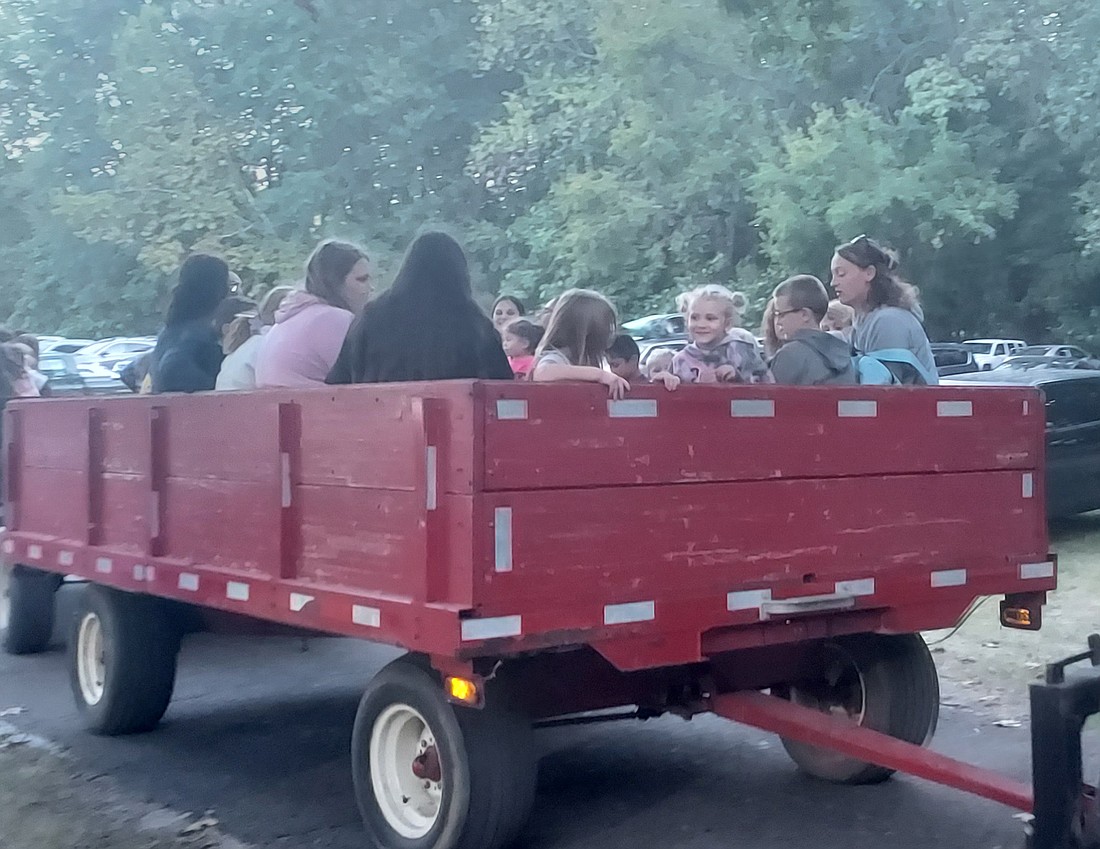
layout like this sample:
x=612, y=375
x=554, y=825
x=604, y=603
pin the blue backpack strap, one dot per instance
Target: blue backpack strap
x=903, y=356
x=872, y=372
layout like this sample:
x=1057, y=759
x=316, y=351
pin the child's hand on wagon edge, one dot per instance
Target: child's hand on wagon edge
x=616, y=386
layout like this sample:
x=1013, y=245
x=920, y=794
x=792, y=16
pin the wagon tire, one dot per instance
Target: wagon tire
x=29, y=602
x=887, y=683
x=486, y=766
x=122, y=660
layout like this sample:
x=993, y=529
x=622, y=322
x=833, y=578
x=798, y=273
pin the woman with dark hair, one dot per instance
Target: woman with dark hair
x=888, y=314
x=427, y=326
x=310, y=324
x=188, y=354
x=506, y=309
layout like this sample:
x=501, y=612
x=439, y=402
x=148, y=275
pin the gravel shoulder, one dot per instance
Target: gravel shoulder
x=47, y=803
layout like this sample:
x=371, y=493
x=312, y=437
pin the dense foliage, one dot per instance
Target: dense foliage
x=634, y=146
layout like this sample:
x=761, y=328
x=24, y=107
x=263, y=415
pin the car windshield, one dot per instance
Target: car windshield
x=978, y=347
x=1035, y=351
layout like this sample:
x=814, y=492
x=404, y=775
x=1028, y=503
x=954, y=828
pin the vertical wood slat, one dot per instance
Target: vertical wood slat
x=433, y=460
x=158, y=474
x=290, y=476
x=93, y=528
x=13, y=454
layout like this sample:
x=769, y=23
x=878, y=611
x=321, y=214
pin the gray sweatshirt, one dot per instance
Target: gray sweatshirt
x=814, y=358
x=893, y=327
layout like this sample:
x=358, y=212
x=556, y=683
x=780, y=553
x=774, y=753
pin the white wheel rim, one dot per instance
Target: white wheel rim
x=90, y=665
x=410, y=804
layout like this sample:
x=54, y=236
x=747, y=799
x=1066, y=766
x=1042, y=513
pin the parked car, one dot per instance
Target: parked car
x=1025, y=363
x=952, y=359
x=62, y=374
x=1066, y=353
x=1072, y=399
x=667, y=326
x=59, y=345
x=109, y=352
x=990, y=353
x=67, y=377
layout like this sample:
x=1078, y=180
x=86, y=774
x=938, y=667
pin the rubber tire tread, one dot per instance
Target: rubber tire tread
x=504, y=771
x=31, y=614
x=491, y=771
x=141, y=644
x=902, y=699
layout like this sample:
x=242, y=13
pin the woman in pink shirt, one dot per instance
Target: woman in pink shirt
x=310, y=325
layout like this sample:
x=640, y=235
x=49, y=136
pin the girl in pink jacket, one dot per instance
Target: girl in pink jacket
x=310, y=325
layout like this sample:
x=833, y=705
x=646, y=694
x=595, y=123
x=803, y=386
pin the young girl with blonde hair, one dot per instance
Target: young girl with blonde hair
x=719, y=352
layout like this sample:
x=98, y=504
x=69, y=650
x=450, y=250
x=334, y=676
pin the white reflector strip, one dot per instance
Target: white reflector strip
x=189, y=582
x=1028, y=486
x=65, y=558
x=954, y=409
x=104, y=565
x=634, y=408
x=9, y=546
x=34, y=552
x=864, y=586
x=433, y=493
x=287, y=492
x=298, y=601
x=857, y=409
x=139, y=572
x=1027, y=407
x=747, y=599
x=236, y=591
x=1029, y=571
x=370, y=617
x=502, y=538
x=150, y=573
x=511, y=410
x=492, y=629
x=949, y=578
x=623, y=614
x=752, y=409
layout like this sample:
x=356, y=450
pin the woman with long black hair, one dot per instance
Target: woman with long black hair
x=427, y=326
x=188, y=354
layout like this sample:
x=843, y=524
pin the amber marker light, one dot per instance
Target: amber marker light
x=462, y=690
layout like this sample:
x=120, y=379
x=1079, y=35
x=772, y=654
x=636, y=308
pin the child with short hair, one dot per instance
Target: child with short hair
x=839, y=318
x=809, y=356
x=625, y=358
x=577, y=337
x=660, y=364
x=521, y=339
x=719, y=351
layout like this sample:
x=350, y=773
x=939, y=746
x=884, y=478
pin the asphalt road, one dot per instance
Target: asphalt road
x=259, y=732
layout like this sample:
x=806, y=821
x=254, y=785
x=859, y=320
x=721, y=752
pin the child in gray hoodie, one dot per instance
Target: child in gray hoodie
x=809, y=356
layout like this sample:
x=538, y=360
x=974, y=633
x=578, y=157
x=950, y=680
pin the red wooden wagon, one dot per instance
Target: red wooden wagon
x=541, y=552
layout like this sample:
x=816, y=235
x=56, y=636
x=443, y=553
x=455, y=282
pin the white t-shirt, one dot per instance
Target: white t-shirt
x=239, y=368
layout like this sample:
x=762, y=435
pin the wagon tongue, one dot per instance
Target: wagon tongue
x=426, y=765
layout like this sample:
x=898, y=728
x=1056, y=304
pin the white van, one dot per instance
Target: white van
x=990, y=353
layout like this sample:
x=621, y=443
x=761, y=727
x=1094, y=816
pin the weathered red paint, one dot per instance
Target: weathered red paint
x=375, y=511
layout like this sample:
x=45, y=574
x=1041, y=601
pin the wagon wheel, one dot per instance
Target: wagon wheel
x=430, y=775
x=887, y=683
x=122, y=660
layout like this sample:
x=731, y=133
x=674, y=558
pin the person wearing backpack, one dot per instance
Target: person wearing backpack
x=888, y=316
x=809, y=356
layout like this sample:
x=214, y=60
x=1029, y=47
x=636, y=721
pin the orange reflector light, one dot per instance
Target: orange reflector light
x=462, y=690
x=1023, y=611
